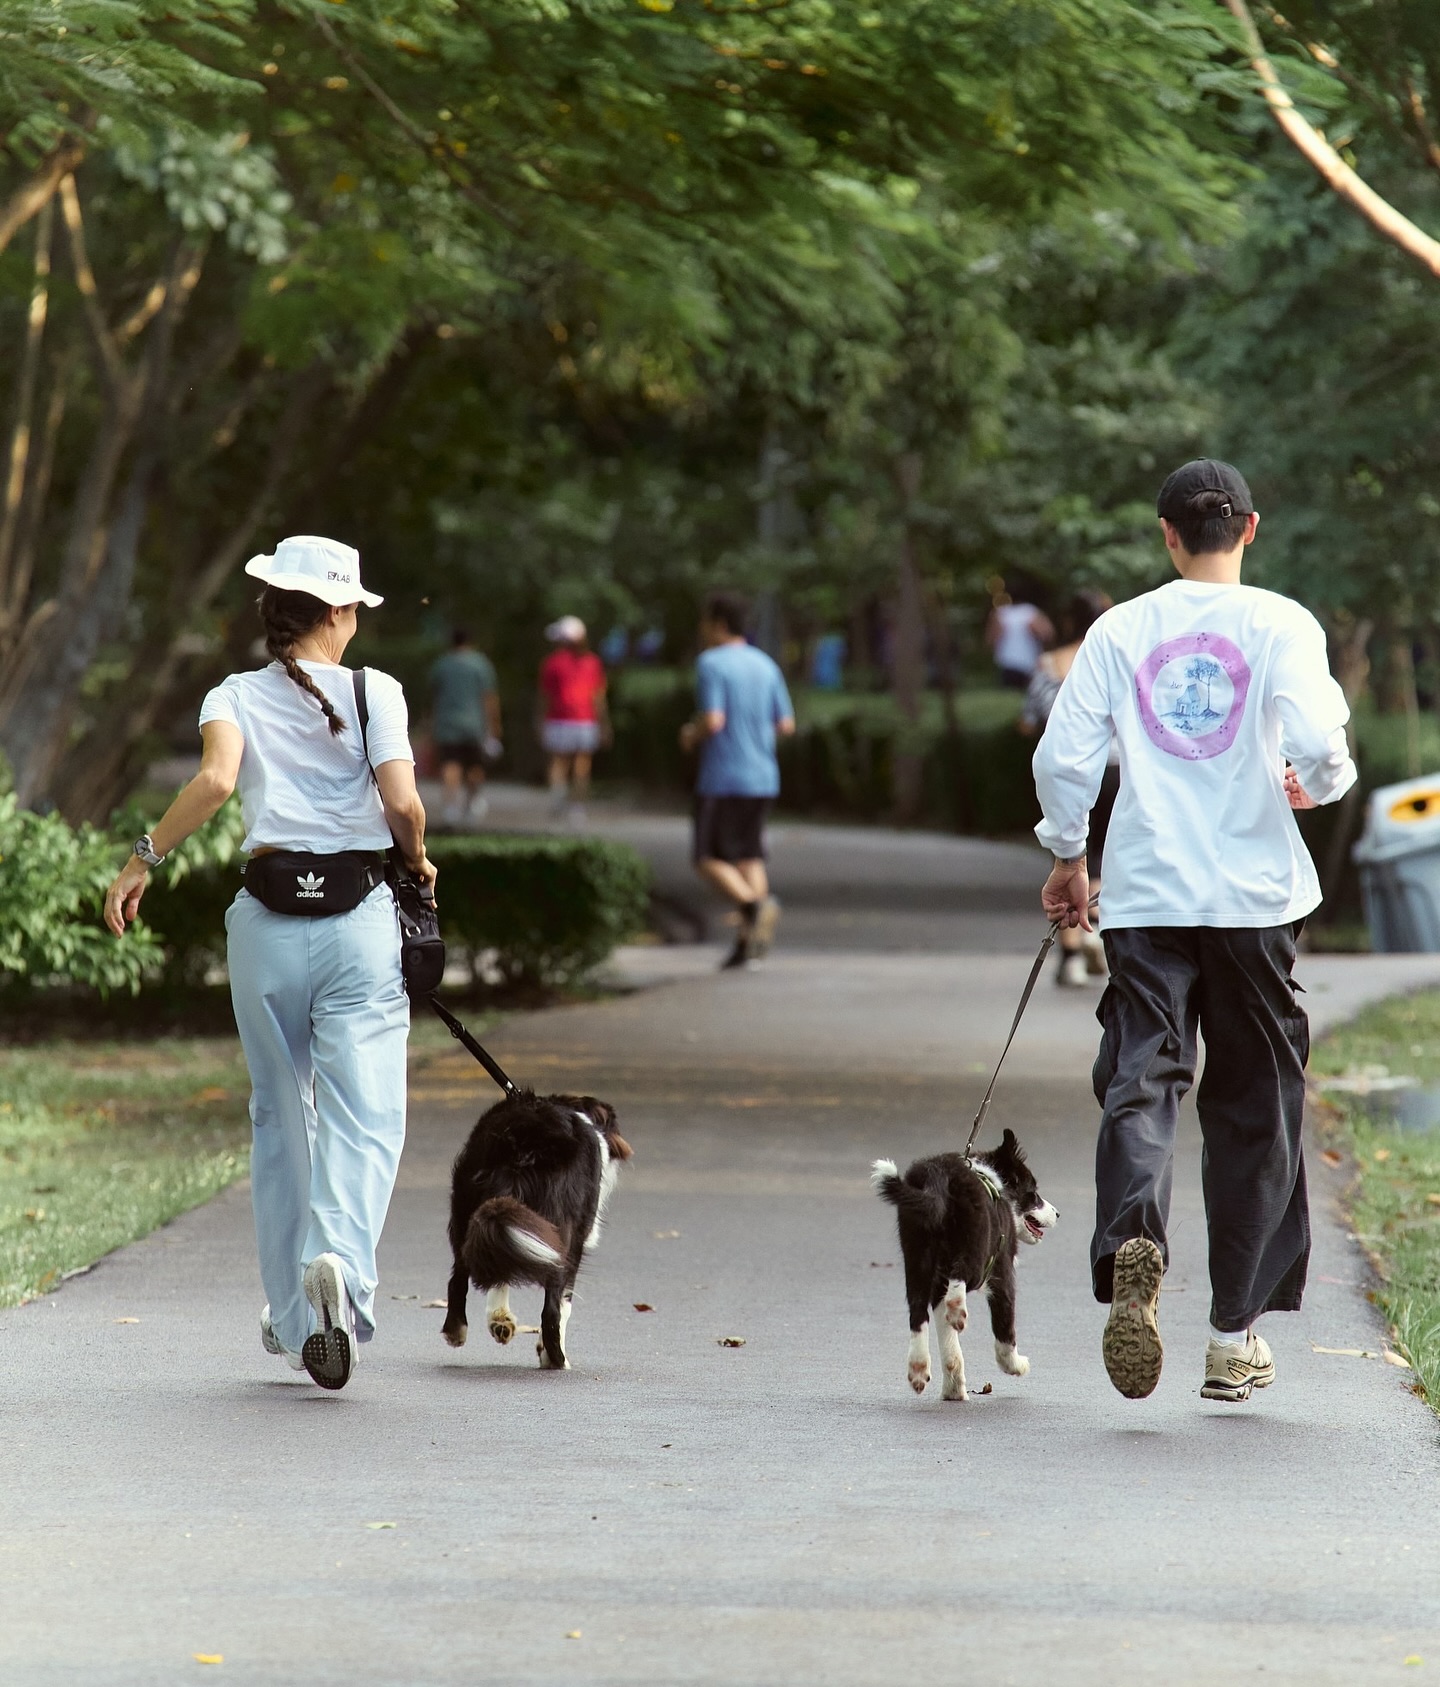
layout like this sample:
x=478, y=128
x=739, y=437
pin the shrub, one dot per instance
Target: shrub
x=543, y=911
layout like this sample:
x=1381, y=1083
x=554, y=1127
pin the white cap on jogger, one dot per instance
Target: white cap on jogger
x=322, y=567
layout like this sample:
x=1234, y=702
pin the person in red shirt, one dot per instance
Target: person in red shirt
x=576, y=721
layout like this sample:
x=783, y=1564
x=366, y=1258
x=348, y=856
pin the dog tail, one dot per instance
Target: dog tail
x=508, y=1242
x=886, y=1181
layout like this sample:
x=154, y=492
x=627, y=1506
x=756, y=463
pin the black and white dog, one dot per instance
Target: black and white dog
x=527, y=1198
x=960, y=1226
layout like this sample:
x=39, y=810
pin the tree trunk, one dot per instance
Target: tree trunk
x=33, y=196
x=909, y=671
x=13, y=490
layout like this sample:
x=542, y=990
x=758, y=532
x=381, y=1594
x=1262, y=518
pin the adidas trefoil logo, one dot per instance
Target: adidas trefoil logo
x=309, y=886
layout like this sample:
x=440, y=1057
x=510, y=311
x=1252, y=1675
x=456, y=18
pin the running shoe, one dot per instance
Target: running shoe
x=1093, y=950
x=1073, y=971
x=762, y=930
x=331, y=1353
x=1131, y=1345
x=272, y=1344
x=1233, y=1368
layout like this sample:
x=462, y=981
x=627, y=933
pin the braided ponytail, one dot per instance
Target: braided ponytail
x=286, y=617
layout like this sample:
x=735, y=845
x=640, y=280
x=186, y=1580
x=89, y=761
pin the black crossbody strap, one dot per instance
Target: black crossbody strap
x=362, y=712
x=462, y=1036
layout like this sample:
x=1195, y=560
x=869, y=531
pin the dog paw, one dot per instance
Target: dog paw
x=455, y=1334
x=953, y=1387
x=501, y=1326
x=546, y=1362
x=1012, y=1363
x=919, y=1374
x=957, y=1311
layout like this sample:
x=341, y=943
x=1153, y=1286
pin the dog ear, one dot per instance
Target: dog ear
x=1009, y=1142
x=619, y=1148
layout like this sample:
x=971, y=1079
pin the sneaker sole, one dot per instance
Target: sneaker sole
x=1235, y=1392
x=1132, y=1347
x=328, y=1354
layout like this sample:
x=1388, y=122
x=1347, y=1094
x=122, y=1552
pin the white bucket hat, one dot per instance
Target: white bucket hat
x=322, y=567
x=569, y=629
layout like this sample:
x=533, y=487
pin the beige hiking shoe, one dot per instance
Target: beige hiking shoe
x=1233, y=1368
x=1131, y=1344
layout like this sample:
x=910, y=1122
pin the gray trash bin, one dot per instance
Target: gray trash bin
x=1399, y=861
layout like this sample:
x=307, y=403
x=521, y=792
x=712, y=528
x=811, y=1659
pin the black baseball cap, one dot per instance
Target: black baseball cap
x=1205, y=474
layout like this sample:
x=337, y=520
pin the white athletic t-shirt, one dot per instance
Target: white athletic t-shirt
x=1209, y=691
x=303, y=787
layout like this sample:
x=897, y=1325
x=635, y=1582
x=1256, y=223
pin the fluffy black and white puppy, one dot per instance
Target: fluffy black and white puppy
x=960, y=1227
x=527, y=1197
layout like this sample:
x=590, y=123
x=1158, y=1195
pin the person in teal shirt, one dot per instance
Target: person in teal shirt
x=466, y=727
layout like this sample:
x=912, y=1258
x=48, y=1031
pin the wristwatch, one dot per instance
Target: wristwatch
x=1070, y=860
x=145, y=851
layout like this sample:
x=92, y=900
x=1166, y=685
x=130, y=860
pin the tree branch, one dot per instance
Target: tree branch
x=19, y=456
x=110, y=361
x=37, y=193
x=1328, y=164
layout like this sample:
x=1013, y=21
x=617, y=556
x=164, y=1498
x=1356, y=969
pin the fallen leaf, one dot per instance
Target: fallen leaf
x=406, y=1297
x=882, y=1264
x=1381, y=1155
x=1395, y=1359
x=666, y=1235
x=572, y=1634
x=1330, y=1157
x=211, y=1092
x=438, y=1303
x=379, y=1525
x=730, y=1341
x=1345, y=1352
x=527, y=1329
x=643, y=1306
x=1433, y=1198
x=208, y=1657
x=127, y=1320
x=36, y=1215
x=989, y=1388
x=1414, y=1658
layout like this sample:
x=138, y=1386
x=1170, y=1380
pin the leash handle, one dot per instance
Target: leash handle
x=1030, y=982
x=463, y=1037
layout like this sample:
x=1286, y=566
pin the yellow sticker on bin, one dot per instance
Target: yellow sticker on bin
x=1419, y=805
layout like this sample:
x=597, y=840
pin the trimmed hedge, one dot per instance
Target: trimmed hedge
x=538, y=911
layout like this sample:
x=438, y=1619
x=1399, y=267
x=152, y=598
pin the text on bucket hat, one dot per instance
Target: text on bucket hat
x=322, y=567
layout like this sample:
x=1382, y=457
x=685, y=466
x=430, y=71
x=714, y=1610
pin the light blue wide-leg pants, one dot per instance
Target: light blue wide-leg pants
x=323, y=1019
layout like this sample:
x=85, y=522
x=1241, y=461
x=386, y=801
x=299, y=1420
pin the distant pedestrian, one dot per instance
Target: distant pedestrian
x=1211, y=688
x=313, y=950
x=575, y=719
x=1082, y=955
x=743, y=705
x=466, y=726
x=1017, y=633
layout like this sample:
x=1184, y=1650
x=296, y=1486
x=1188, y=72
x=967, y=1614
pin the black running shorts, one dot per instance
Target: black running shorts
x=730, y=828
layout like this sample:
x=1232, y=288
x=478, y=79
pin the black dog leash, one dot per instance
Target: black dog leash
x=462, y=1036
x=1035, y=972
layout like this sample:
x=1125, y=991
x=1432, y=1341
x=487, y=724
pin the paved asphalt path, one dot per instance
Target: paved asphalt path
x=676, y=1511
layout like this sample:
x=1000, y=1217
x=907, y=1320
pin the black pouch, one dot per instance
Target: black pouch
x=289, y=882
x=422, y=949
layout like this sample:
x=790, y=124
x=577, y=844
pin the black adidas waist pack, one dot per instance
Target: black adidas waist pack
x=289, y=882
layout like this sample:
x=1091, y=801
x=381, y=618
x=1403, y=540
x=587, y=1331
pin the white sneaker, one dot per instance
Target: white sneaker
x=271, y=1343
x=1093, y=950
x=332, y=1352
x=1233, y=1368
x=1073, y=971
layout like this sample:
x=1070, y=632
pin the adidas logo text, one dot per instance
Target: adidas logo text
x=309, y=886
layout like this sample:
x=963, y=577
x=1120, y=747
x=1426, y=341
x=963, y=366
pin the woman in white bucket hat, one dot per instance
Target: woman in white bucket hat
x=313, y=946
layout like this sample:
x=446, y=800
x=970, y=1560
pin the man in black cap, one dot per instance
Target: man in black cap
x=1226, y=715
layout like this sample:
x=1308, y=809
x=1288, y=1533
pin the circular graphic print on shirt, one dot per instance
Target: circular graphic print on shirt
x=1192, y=693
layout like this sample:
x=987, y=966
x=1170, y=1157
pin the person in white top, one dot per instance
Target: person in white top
x=1017, y=634
x=1220, y=700
x=313, y=943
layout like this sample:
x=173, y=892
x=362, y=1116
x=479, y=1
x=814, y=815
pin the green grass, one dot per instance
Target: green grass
x=1395, y=1199
x=100, y=1142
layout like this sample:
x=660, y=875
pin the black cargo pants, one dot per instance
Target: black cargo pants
x=1233, y=984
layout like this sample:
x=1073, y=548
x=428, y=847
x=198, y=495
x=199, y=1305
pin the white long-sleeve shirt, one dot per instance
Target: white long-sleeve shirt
x=1209, y=690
